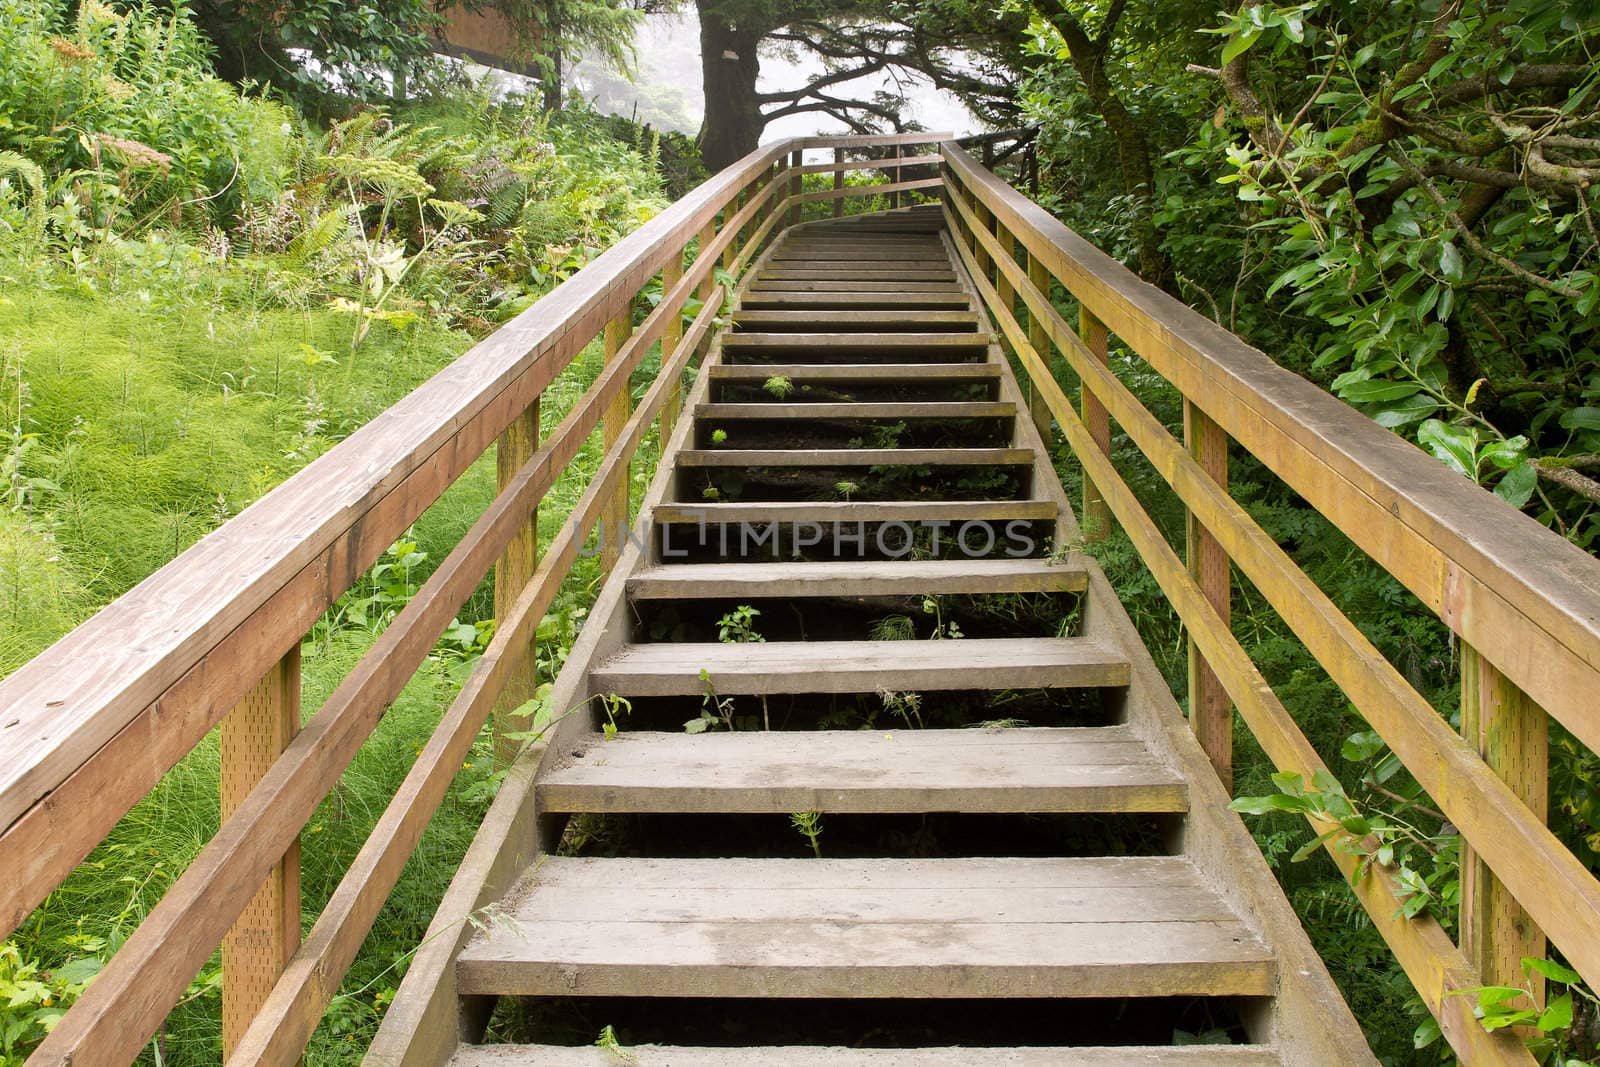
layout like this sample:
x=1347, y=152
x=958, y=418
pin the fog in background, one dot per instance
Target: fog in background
x=667, y=93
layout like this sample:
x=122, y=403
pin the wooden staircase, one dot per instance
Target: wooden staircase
x=1157, y=915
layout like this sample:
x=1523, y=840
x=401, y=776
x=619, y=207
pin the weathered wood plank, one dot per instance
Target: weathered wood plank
x=848, y=298
x=910, y=412
x=855, y=457
x=861, y=666
x=928, y=512
x=1094, y=769
x=855, y=372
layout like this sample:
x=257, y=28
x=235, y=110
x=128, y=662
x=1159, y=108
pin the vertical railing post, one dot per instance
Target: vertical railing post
x=259, y=944
x=838, y=182
x=1096, y=515
x=1210, y=710
x=514, y=570
x=794, y=184
x=614, y=514
x=708, y=234
x=896, y=173
x=1039, y=338
x=671, y=337
x=1512, y=733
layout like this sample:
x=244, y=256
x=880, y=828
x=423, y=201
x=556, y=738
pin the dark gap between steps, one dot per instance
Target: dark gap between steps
x=710, y=540
x=857, y=392
x=932, y=835
x=874, y=1023
x=878, y=618
x=840, y=484
x=906, y=431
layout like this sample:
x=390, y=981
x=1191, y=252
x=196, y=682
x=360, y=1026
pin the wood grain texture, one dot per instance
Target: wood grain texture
x=1092, y=769
x=861, y=666
x=511, y=572
x=259, y=943
x=842, y=935
x=1210, y=712
x=876, y=578
x=816, y=1056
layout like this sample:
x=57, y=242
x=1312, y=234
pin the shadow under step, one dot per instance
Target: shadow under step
x=1059, y=770
x=874, y=373
x=820, y=1056
x=685, y=581
x=812, y=321
x=855, y=457
x=673, y=669
x=940, y=409
x=778, y=299
x=1101, y=927
x=924, y=512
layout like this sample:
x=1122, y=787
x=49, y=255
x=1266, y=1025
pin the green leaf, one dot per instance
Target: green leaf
x=1311, y=846
x=1491, y=996
x=1558, y=1014
x=1450, y=261
x=1518, y=484
x=1371, y=392
x=1553, y=971
x=1581, y=419
x=1405, y=411
x=1427, y=1033
x=1362, y=746
x=1515, y=1018
x=1239, y=44
x=1454, y=446
x=1289, y=782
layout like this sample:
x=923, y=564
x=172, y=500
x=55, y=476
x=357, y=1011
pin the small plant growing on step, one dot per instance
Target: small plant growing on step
x=907, y=707
x=719, y=437
x=711, y=492
x=778, y=386
x=609, y=1041
x=846, y=490
x=809, y=823
x=738, y=627
x=714, y=709
x=941, y=629
x=610, y=703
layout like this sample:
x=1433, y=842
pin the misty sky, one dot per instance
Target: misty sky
x=668, y=93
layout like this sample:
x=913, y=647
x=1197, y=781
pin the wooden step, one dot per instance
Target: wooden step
x=868, y=253
x=1083, y=769
x=865, y=928
x=822, y=274
x=813, y=321
x=822, y=1056
x=882, y=286
x=847, y=578
x=877, y=373
x=910, y=412
x=856, y=457
x=781, y=299
x=856, y=342
x=950, y=512
x=673, y=669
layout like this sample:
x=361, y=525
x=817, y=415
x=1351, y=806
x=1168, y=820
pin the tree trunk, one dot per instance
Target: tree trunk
x=729, y=67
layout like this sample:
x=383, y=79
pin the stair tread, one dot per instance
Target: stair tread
x=806, y=1055
x=783, y=298
x=855, y=578
x=856, y=511
x=855, y=341
x=838, y=932
x=861, y=666
x=941, y=409
x=1070, y=769
x=846, y=372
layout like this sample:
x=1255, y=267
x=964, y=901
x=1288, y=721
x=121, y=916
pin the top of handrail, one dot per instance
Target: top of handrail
x=1541, y=575
x=62, y=706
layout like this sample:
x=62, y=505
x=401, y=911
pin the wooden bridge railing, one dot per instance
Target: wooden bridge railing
x=91, y=725
x=1523, y=602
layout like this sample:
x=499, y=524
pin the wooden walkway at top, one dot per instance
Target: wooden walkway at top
x=873, y=323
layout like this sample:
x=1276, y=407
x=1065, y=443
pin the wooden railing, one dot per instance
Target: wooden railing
x=1523, y=602
x=92, y=724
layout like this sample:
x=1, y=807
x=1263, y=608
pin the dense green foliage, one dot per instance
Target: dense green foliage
x=203, y=291
x=1366, y=192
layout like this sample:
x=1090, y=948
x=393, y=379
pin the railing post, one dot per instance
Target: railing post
x=1512, y=733
x=513, y=571
x=794, y=184
x=838, y=182
x=1096, y=515
x=614, y=515
x=1210, y=710
x=671, y=275
x=896, y=172
x=708, y=234
x=258, y=946
x=1039, y=338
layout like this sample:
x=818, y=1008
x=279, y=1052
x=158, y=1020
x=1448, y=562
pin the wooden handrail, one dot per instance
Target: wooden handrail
x=93, y=723
x=1448, y=540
